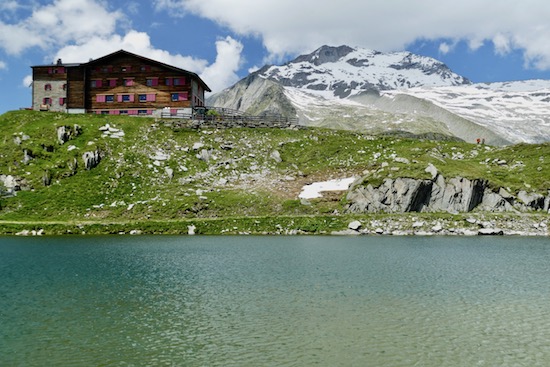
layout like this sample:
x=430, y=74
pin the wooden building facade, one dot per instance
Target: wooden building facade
x=119, y=83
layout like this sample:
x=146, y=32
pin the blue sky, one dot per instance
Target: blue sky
x=223, y=40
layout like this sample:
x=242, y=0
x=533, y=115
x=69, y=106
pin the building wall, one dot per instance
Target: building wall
x=128, y=83
x=49, y=88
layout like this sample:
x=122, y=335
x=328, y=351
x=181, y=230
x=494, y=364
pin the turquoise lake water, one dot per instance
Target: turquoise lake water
x=274, y=301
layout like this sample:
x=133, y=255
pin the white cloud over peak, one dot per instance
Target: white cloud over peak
x=290, y=27
x=223, y=72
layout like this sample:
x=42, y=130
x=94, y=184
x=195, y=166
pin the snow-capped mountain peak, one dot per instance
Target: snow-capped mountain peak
x=345, y=71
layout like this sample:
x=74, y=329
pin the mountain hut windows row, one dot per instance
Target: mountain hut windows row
x=130, y=81
x=48, y=86
x=122, y=68
x=141, y=97
x=49, y=101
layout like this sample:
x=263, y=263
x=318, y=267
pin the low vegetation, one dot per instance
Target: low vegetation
x=163, y=179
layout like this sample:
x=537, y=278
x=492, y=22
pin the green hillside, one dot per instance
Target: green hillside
x=165, y=177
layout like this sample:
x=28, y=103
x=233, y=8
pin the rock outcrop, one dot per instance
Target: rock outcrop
x=91, y=159
x=66, y=133
x=455, y=195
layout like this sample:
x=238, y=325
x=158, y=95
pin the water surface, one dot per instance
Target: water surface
x=274, y=301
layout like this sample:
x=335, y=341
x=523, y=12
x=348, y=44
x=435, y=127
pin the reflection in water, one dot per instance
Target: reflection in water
x=285, y=301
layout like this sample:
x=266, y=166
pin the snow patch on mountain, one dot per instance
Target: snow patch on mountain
x=518, y=111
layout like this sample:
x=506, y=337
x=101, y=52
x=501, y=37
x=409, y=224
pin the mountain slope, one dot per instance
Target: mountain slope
x=359, y=89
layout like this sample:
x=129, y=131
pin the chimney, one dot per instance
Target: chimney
x=59, y=62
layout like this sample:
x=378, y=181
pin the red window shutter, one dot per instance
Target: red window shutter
x=61, y=101
x=155, y=82
x=119, y=97
x=112, y=82
x=131, y=98
x=183, y=96
x=151, y=97
x=100, y=98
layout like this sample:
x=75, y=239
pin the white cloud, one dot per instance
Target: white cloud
x=3, y=65
x=27, y=81
x=290, y=27
x=444, y=48
x=218, y=75
x=223, y=72
x=133, y=41
x=58, y=23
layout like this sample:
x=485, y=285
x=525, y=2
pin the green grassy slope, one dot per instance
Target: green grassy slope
x=239, y=174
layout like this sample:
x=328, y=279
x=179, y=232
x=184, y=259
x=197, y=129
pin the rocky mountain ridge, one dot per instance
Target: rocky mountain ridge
x=364, y=90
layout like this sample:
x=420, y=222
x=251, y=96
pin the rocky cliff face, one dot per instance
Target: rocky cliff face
x=455, y=195
x=255, y=95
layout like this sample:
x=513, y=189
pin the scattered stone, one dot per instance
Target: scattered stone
x=191, y=230
x=417, y=224
x=134, y=232
x=355, y=225
x=490, y=232
x=204, y=155
x=160, y=156
x=402, y=160
x=169, y=172
x=197, y=146
x=437, y=228
x=431, y=170
x=379, y=231
x=276, y=156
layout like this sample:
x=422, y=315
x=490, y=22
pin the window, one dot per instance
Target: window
x=112, y=82
x=47, y=101
x=152, y=82
x=145, y=68
x=125, y=98
x=151, y=97
x=96, y=83
x=104, y=112
x=64, y=86
x=106, y=69
x=48, y=87
x=62, y=101
x=128, y=82
x=142, y=112
x=125, y=68
x=123, y=112
x=106, y=98
x=181, y=96
x=174, y=81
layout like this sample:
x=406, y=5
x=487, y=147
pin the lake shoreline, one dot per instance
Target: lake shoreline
x=420, y=224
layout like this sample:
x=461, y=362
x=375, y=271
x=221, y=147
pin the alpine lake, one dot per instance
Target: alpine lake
x=274, y=301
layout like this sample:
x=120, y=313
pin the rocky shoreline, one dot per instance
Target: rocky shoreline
x=470, y=226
